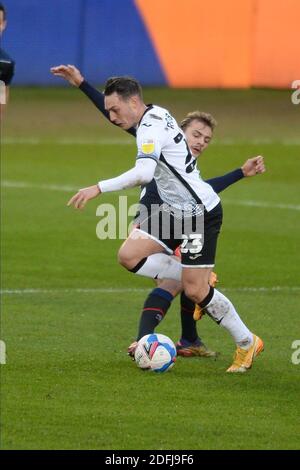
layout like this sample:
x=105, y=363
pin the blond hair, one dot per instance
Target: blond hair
x=206, y=118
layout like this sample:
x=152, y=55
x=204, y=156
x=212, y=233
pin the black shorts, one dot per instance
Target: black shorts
x=196, y=235
x=203, y=253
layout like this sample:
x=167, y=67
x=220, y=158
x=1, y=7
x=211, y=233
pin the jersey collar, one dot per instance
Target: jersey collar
x=149, y=106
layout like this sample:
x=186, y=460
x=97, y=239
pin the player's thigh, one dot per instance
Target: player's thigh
x=136, y=247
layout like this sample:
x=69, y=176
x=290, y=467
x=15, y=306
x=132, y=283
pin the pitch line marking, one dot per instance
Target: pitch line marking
x=116, y=290
x=261, y=204
x=65, y=188
x=33, y=141
x=49, y=187
x=118, y=141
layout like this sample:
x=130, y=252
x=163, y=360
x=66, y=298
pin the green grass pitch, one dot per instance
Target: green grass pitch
x=69, y=311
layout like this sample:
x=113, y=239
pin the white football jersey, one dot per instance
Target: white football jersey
x=178, y=180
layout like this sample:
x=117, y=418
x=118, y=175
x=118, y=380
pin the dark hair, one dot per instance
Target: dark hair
x=4, y=11
x=123, y=86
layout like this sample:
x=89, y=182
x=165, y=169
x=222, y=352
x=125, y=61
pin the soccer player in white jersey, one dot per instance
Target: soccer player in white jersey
x=163, y=153
x=198, y=128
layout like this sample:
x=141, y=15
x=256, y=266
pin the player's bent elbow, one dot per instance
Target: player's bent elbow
x=144, y=179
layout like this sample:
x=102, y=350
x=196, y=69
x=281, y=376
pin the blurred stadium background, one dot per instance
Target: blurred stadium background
x=68, y=310
x=220, y=44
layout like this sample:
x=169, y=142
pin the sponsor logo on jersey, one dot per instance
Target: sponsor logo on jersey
x=148, y=146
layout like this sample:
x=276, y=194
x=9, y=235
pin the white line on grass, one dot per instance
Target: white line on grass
x=108, y=290
x=118, y=141
x=262, y=204
x=48, y=187
x=117, y=290
x=56, y=187
x=12, y=141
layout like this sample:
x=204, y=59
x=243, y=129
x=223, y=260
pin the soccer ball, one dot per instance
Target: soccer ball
x=155, y=352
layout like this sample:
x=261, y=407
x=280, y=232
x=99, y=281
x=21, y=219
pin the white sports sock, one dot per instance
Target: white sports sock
x=223, y=312
x=161, y=266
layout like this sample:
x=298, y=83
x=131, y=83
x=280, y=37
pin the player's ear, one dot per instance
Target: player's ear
x=135, y=101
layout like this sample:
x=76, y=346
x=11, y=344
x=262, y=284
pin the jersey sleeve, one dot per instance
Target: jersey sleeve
x=142, y=173
x=222, y=182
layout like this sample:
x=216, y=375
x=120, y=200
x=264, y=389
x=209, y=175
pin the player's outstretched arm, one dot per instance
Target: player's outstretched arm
x=73, y=75
x=142, y=173
x=251, y=167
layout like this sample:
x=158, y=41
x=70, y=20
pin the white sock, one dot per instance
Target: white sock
x=223, y=312
x=161, y=266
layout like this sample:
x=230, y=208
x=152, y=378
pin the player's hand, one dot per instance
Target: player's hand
x=69, y=73
x=80, y=199
x=254, y=166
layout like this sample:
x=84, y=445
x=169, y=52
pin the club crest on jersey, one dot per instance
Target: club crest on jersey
x=148, y=146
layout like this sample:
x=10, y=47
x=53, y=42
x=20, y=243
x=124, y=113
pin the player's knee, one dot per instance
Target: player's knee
x=126, y=258
x=196, y=292
x=191, y=292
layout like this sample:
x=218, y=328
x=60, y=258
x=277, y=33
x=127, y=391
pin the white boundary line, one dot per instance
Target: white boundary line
x=139, y=290
x=56, y=187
